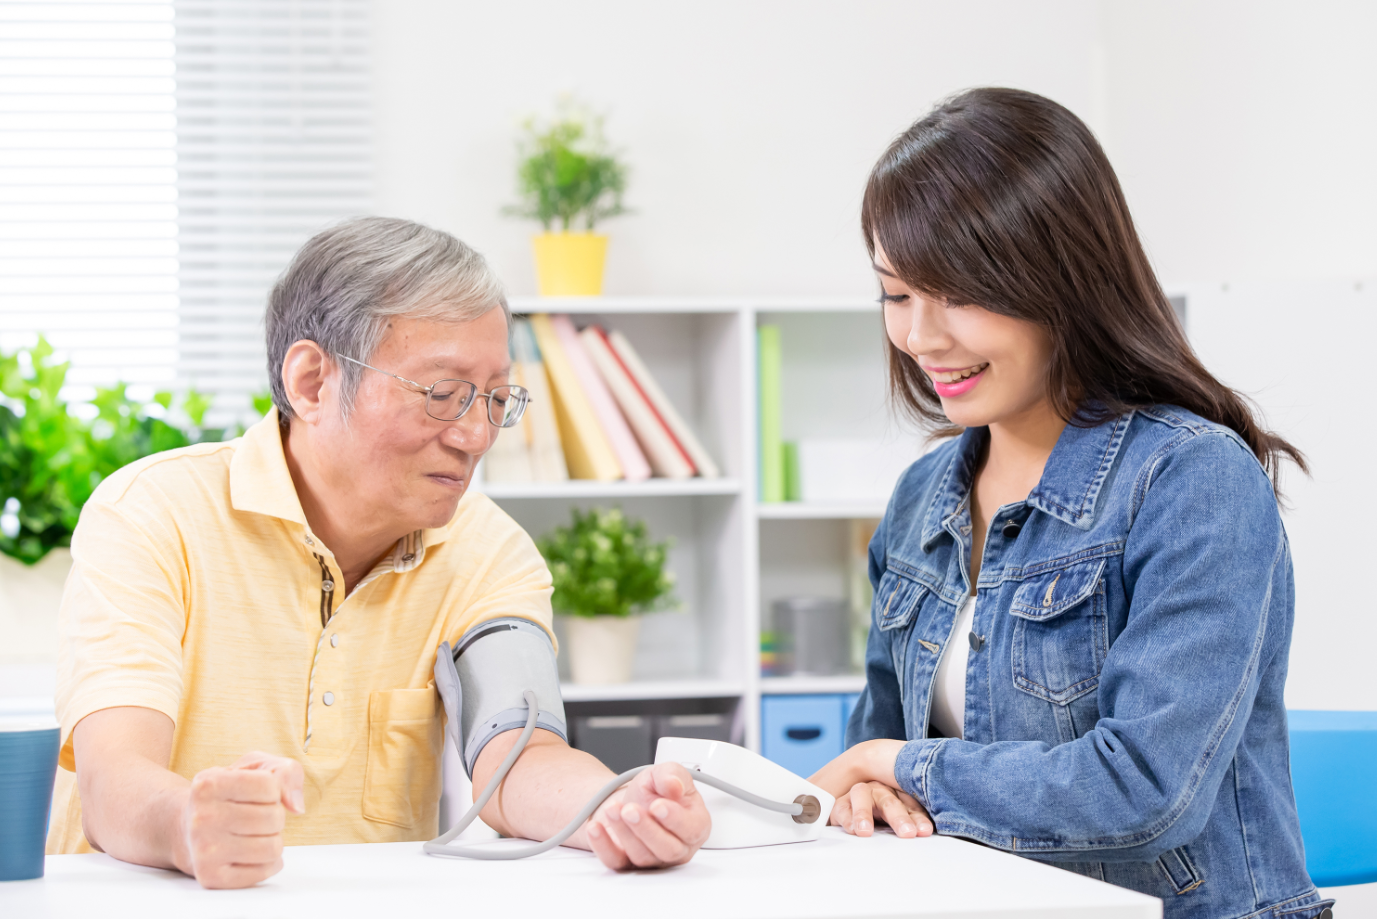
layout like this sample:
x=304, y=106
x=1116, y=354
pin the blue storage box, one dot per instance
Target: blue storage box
x=848, y=706
x=801, y=733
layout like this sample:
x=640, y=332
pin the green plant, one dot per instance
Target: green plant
x=605, y=565
x=51, y=460
x=567, y=171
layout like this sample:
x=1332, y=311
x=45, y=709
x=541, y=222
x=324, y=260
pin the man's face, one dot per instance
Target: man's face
x=406, y=469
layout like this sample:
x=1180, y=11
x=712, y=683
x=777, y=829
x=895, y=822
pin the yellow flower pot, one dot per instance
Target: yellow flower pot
x=570, y=264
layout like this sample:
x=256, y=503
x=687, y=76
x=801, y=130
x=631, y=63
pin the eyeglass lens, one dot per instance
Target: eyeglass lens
x=450, y=399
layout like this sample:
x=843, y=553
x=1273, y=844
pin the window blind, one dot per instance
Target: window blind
x=273, y=142
x=88, y=210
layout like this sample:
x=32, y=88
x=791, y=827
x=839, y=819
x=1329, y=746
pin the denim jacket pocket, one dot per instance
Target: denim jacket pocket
x=897, y=600
x=1061, y=636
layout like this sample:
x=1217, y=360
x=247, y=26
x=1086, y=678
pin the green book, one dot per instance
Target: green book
x=771, y=443
x=793, y=485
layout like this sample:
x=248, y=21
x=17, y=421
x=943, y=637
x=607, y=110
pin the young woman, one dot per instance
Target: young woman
x=1083, y=603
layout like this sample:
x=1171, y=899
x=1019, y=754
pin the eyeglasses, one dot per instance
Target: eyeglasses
x=448, y=400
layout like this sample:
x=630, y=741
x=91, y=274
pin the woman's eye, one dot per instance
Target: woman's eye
x=886, y=297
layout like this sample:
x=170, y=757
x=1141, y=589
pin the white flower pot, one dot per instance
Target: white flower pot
x=29, y=600
x=601, y=648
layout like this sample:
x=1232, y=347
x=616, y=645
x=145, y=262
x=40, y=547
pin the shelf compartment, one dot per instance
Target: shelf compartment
x=651, y=689
x=799, y=510
x=806, y=685
x=587, y=488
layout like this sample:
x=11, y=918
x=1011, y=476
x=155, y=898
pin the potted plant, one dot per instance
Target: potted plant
x=569, y=180
x=51, y=460
x=605, y=571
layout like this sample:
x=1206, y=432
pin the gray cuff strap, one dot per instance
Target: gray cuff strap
x=512, y=719
x=486, y=678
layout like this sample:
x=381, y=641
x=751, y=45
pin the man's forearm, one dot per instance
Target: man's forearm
x=137, y=815
x=547, y=786
x=131, y=806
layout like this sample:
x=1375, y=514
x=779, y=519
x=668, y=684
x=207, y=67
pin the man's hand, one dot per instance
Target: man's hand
x=224, y=827
x=233, y=820
x=658, y=819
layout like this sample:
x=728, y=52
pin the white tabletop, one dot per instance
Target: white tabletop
x=838, y=875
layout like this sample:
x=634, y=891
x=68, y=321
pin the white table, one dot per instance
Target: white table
x=836, y=876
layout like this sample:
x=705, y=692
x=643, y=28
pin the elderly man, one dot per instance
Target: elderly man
x=286, y=593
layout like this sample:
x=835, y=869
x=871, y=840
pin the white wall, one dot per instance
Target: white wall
x=1243, y=133
x=1245, y=136
x=750, y=126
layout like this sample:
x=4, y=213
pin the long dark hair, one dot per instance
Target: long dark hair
x=1003, y=199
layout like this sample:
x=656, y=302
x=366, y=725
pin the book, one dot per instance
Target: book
x=700, y=458
x=635, y=467
x=509, y=457
x=667, y=458
x=770, y=365
x=539, y=425
x=793, y=488
x=587, y=450
x=860, y=593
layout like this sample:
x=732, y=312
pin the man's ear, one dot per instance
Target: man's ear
x=311, y=379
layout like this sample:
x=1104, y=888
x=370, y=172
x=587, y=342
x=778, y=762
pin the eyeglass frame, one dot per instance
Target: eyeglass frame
x=428, y=390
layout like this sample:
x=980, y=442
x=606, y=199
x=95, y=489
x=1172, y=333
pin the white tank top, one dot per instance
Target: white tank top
x=949, y=689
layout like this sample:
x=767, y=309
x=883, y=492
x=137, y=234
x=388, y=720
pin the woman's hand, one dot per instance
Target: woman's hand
x=862, y=780
x=857, y=810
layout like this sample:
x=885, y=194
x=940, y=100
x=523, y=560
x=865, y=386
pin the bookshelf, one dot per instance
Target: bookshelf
x=732, y=556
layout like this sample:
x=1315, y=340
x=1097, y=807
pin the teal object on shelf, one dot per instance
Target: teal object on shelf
x=1334, y=772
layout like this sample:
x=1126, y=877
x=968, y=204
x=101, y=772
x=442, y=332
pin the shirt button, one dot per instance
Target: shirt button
x=334, y=641
x=327, y=586
x=1011, y=529
x=328, y=698
x=310, y=541
x=409, y=557
x=977, y=641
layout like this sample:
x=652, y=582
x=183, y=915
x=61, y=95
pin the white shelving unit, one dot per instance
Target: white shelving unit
x=732, y=556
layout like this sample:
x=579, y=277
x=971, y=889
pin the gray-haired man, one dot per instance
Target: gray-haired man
x=286, y=592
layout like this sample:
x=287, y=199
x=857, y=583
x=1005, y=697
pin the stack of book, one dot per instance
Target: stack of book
x=595, y=412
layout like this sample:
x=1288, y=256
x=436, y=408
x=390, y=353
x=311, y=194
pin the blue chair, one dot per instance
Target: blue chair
x=1334, y=771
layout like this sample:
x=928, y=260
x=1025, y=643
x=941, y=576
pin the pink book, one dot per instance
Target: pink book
x=634, y=464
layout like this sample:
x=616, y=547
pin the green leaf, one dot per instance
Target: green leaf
x=603, y=564
x=263, y=403
x=51, y=461
x=566, y=171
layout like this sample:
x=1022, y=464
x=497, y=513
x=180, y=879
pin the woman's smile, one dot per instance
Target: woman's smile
x=955, y=382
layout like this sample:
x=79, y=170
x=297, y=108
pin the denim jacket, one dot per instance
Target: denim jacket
x=1124, y=715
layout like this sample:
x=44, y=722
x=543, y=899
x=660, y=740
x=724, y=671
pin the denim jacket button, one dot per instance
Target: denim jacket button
x=977, y=641
x=1011, y=529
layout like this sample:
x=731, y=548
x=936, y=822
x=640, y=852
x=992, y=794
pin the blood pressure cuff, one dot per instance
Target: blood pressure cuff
x=482, y=679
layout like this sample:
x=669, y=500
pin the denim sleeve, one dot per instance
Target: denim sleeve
x=879, y=711
x=1205, y=565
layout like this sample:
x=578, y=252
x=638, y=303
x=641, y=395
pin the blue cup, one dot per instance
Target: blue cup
x=28, y=765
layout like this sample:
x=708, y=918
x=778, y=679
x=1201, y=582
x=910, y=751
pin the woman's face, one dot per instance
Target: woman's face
x=987, y=368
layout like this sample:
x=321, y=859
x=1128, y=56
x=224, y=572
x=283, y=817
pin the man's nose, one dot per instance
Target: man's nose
x=471, y=433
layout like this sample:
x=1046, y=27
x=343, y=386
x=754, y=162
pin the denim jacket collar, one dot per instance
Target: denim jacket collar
x=1070, y=484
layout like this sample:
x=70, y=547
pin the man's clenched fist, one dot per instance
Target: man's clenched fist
x=231, y=834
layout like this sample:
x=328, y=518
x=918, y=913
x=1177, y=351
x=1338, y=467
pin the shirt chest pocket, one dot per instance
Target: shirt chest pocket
x=896, y=601
x=1060, y=632
x=402, y=783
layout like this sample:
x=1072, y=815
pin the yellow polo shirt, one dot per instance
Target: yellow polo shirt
x=198, y=590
